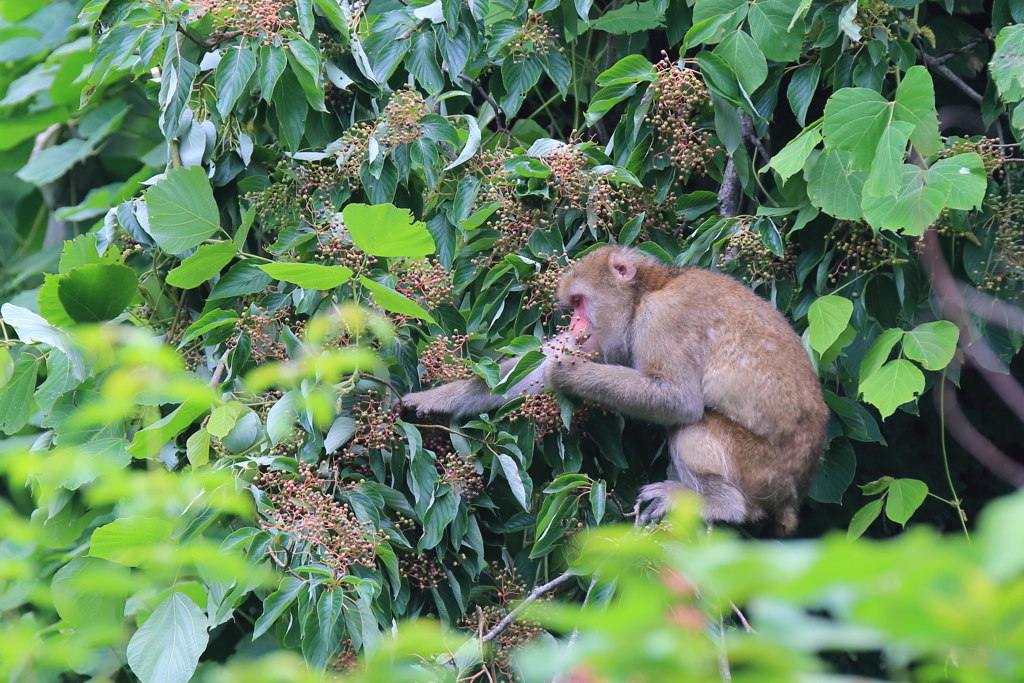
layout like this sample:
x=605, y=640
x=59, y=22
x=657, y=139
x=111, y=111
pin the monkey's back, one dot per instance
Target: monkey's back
x=755, y=371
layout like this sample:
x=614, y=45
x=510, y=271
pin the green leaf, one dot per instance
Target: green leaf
x=834, y=187
x=770, y=28
x=148, y=442
x=437, y=518
x=92, y=294
x=310, y=275
x=912, y=209
x=384, y=230
x=33, y=328
x=886, y=174
x=472, y=143
x=793, y=156
x=905, y=496
x=16, y=394
x=235, y=69
x=835, y=472
x=208, y=322
x=167, y=647
x=967, y=180
x=273, y=60
x=307, y=66
x=222, y=419
x=245, y=277
x=713, y=29
x=390, y=300
x=628, y=70
x=915, y=104
x=598, y=499
x=802, y=86
x=515, y=481
x=607, y=98
x=932, y=344
x=878, y=353
x=828, y=317
x=844, y=339
x=854, y=121
x=709, y=9
x=895, y=383
x=747, y=61
x=129, y=540
x=633, y=18
x=90, y=593
x=276, y=603
x=863, y=519
x=423, y=62
x=206, y=262
x=182, y=211
x=197, y=448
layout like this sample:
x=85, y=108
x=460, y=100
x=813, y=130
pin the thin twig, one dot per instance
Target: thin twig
x=499, y=113
x=534, y=594
x=412, y=29
x=446, y=429
x=934, y=63
x=218, y=371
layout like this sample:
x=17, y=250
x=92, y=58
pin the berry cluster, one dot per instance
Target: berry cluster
x=427, y=281
x=352, y=151
x=536, y=37
x=679, y=97
x=1007, y=272
x=289, y=445
x=335, y=247
x=861, y=249
x=422, y=571
x=543, y=410
x=988, y=149
x=444, y=360
x=345, y=659
x=264, y=20
x=461, y=475
x=542, y=286
x=265, y=328
x=401, y=121
x=326, y=530
x=761, y=262
x=302, y=192
x=375, y=423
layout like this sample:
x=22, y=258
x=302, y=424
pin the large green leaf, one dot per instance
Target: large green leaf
x=854, y=121
x=90, y=593
x=1007, y=66
x=16, y=394
x=932, y=344
x=129, y=540
x=309, y=275
x=912, y=209
x=182, y=211
x=634, y=18
x=628, y=70
x=967, y=180
x=747, y=61
x=895, y=383
x=915, y=104
x=886, y=176
x=834, y=187
x=307, y=65
x=793, y=156
x=390, y=300
x=828, y=317
x=206, y=262
x=235, y=69
x=774, y=30
x=835, y=472
x=245, y=277
x=904, y=497
x=166, y=649
x=384, y=230
x=878, y=353
x=95, y=293
x=704, y=10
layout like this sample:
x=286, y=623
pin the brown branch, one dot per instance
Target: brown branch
x=936, y=63
x=412, y=29
x=727, y=193
x=499, y=113
x=534, y=594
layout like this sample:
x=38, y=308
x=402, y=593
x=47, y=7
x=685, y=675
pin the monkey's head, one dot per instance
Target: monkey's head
x=601, y=290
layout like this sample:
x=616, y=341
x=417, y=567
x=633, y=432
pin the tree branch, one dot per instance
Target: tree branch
x=936, y=63
x=534, y=594
x=727, y=193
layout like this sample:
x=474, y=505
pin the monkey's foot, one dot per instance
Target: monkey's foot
x=658, y=501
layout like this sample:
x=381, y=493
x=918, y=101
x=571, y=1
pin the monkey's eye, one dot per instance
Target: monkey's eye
x=576, y=300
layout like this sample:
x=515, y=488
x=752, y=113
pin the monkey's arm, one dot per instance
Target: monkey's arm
x=676, y=400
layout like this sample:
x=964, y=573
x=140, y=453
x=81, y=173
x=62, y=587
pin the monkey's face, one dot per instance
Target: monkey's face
x=600, y=301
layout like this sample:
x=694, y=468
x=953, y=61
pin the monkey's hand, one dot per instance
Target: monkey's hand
x=437, y=401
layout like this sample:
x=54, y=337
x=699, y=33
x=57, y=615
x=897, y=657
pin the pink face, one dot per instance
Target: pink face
x=582, y=325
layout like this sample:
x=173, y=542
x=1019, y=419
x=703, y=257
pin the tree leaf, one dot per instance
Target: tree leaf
x=96, y=293
x=33, y=328
x=235, y=69
x=915, y=104
x=886, y=174
x=182, y=211
x=912, y=209
x=515, y=481
x=206, y=262
x=828, y=317
x=747, y=61
x=222, y=419
x=307, y=66
x=932, y=344
x=835, y=472
x=245, y=277
x=390, y=300
x=834, y=187
x=863, y=519
x=629, y=69
x=854, y=121
x=16, y=394
x=793, y=156
x=878, y=353
x=472, y=143
x=310, y=275
x=905, y=496
x=967, y=180
x=90, y=593
x=167, y=647
x=634, y=18
x=802, y=86
x=895, y=383
x=385, y=230
x=273, y=60
x=770, y=22
x=129, y=540
x=197, y=448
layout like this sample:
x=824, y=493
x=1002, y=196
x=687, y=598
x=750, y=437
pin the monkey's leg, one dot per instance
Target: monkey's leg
x=702, y=461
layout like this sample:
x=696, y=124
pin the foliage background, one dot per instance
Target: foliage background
x=213, y=222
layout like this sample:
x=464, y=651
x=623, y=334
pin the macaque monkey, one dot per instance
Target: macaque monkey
x=697, y=352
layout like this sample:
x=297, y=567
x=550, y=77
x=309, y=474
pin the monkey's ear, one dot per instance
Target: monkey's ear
x=622, y=267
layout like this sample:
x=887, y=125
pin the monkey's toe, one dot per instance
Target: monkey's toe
x=655, y=501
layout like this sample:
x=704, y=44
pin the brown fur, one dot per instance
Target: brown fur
x=700, y=353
